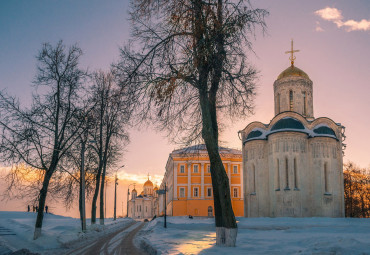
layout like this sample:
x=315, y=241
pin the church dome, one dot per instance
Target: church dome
x=134, y=190
x=155, y=188
x=293, y=71
x=148, y=183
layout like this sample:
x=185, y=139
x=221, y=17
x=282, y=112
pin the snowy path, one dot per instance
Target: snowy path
x=59, y=234
x=119, y=242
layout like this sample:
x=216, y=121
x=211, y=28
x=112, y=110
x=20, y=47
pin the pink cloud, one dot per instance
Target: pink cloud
x=334, y=15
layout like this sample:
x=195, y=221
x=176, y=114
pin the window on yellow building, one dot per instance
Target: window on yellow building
x=182, y=169
x=209, y=169
x=209, y=192
x=196, y=192
x=182, y=192
x=235, y=169
x=235, y=192
x=210, y=211
x=195, y=168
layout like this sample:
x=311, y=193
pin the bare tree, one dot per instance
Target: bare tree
x=41, y=135
x=112, y=113
x=188, y=70
x=356, y=191
x=81, y=155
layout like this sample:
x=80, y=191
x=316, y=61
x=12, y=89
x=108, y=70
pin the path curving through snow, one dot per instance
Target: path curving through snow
x=120, y=242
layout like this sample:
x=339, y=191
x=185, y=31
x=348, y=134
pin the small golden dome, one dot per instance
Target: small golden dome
x=134, y=190
x=155, y=188
x=293, y=71
x=148, y=183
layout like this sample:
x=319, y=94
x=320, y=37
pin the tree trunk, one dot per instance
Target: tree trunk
x=42, y=199
x=80, y=202
x=226, y=227
x=102, y=189
x=95, y=197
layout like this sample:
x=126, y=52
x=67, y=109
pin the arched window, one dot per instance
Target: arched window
x=326, y=184
x=278, y=103
x=295, y=175
x=286, y=173
x=290, y=100
x=277, y=175
x=304, y=104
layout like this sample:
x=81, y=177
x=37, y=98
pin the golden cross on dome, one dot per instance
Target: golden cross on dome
x=292, y=57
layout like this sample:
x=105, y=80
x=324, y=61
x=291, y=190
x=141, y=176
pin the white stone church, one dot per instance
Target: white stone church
x=144, y=205
x=293, y=166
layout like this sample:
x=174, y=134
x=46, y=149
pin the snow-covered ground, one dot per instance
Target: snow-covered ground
x=262, y=236
x=195, y=236
x=58, y=232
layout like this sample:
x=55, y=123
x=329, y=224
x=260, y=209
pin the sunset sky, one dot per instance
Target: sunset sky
x=333, y=38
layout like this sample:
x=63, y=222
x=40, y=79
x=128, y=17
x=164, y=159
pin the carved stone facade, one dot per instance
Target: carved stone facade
x=293, y=165
x=145, y=205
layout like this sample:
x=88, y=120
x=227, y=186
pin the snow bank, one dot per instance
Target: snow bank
x=262, y=236
x=58, y=232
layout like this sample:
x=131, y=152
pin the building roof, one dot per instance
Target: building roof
x=324, y=130
x=201, y=148
x=290, y=124
x=293, y=71
x=287, y=123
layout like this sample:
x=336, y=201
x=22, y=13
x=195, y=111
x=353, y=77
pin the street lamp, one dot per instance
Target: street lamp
x=115, y=193
x=128, y=193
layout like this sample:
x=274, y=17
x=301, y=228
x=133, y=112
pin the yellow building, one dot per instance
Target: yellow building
x=189, y=184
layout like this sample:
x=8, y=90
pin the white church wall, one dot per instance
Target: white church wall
x=298, y=86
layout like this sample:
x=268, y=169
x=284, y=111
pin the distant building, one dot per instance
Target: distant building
x=293, y=166
x=188, y=180
x=145, y=205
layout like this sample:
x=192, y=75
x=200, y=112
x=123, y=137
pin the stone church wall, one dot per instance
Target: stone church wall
x=298, y=86
x=325, y=154
x=293, y=175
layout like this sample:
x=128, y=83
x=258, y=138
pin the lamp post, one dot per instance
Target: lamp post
x=128, y=193
x=115, y=193
x=115, y=197
x=165, y=206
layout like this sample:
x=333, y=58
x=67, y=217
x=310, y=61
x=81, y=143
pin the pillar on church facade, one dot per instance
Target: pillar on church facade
x=189, y=180
x=202, y=180
x=175, y=181
x=229, y=174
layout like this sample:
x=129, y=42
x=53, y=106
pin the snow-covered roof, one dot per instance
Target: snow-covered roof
x=201, y=148
x=289, y=124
